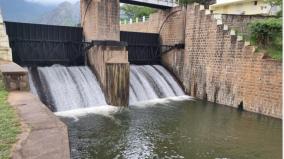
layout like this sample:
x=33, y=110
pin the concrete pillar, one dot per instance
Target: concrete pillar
x=100, y=19
x=108, y=58
x=109, y=61
x=117, y=83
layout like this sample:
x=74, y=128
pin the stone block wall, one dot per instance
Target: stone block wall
x=5, y=50
x=174, y=62
x=161, y=21
x=108, y=58
x=173, y=32
x=216, y=64
x=173, y=26
x=239, y=22
x=218, y=67
x=100, y=19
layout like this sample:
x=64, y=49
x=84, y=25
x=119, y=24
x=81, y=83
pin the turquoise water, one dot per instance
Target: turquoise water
x=174, y=129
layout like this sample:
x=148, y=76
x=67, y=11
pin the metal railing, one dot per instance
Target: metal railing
x=135, y=20
x=161, y=4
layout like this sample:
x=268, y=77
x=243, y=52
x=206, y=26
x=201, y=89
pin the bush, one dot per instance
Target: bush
x=267, y=35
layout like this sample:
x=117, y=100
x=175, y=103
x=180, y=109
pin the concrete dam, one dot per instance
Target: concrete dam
x=64, y=88
x=103, y=90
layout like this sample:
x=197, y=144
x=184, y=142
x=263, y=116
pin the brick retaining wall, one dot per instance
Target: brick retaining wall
x=216, y=65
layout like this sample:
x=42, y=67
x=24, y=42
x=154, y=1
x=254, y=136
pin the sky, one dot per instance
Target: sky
x=51, y=2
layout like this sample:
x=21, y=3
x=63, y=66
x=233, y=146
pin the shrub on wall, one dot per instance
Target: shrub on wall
x=267, y=35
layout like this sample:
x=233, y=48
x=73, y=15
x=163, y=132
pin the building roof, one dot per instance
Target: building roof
x=228, y=2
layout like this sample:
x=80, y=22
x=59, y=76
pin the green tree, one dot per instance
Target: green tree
x=132, y=11
x=274, y=3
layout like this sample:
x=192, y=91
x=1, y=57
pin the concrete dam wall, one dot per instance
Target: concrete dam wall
x=217, y=64
x=64, y=88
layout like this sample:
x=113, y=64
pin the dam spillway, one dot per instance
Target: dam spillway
x=150, y=82
x=66, y=88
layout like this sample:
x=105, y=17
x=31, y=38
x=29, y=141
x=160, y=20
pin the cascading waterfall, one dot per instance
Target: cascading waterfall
x=69, y=88
x=151, y=82
x=65, y=88
x=31, y=82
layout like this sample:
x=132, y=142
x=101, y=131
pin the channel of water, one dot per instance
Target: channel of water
x=161, y=121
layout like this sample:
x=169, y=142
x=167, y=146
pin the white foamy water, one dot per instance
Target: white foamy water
x=108, y=110
x=105, y=110
x=68, y=88
x=71, y=87
x=164, y=101
x=151, y=82
x=31, y=83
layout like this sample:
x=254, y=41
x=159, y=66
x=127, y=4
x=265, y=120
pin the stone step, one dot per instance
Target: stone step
x=2, y=28
x=201, y=7
x=232, y=32
x=3, y=35
x=207, y=12
x=247, y=43
x=4, y=38
x=219, y=22
x=225, y=27
x=195, y=4
x=6, y=54
x=217, y=16
x=240, y=38
x=4, y=44
x=4, y=41
x=4, y=49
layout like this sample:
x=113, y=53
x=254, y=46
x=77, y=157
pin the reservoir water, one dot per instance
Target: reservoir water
x=172, y=128
x=159, y=123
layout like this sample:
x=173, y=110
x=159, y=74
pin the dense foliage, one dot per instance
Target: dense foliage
x=274, y=3
x=132, y=11
x=267, y=35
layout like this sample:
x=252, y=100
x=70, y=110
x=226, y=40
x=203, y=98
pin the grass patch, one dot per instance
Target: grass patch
x=266, y=34
x=275, y=53
x=9, y=124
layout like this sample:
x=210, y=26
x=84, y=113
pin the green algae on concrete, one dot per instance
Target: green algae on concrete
x=9, y=124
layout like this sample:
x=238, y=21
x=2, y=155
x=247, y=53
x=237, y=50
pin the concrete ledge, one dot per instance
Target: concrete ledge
x=15, y=77
x=12, y=68
x=44, y=136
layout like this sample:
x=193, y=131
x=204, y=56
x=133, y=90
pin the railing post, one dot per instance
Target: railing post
x=130, y=21
x=143, y=19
